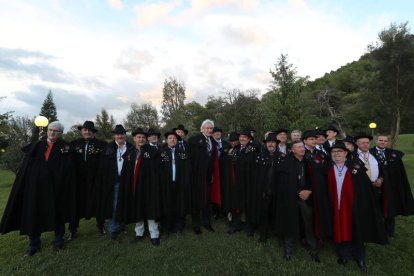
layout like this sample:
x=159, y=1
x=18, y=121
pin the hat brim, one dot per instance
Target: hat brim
x=185, y=131
x=363, y=136
x=91, y=129
x=172, y=133
x=139, y=132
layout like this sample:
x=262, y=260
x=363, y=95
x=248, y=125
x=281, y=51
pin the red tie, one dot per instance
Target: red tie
x=48, y=150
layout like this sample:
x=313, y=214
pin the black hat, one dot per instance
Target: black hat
x=172, y=132
x=280, y=130
x=119, y=129
x=152, y=131
x=349, y=139
x=339, y=144
x=234, y=136
x=332, y=128
x=139, y=130
x=181, y=127
x=88, y=125
x=247, y=133
x=249, y=128
x=271, y=137
x=320, y=131
x=217, y=129
x=308, y=133
x=362, y=135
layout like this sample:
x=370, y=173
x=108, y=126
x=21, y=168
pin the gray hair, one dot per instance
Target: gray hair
x=56, y=124
x=296, y=131
x=206, y=122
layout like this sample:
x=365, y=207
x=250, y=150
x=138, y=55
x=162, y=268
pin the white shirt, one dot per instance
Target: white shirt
x=339, y=182
x=331, y=142
x=373, y=163
x=282, y=148
x=119, y=159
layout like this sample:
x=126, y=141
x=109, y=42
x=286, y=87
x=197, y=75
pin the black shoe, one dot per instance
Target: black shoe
x=72, y=236
x=114, y=235
x=209, y=228
x=139, y=238
x=263, y=239
x=315, y=257
x=342, y=261
x=155, y=241
x=362, y=266
x=233, y=229
x=31, y=252
x=101, y=232
x=197, y=230
x=58, y=248
x=287, y=257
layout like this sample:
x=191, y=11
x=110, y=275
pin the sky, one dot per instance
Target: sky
x=95, y=54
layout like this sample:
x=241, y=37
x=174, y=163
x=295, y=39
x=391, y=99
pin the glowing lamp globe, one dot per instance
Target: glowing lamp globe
x=41, y=121
x=372, y=125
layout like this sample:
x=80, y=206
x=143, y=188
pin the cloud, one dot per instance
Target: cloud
x=115, y=4
x=246, y=34
x=148, y=14
x=133, y=61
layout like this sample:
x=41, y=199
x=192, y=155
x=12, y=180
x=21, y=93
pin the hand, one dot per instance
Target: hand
x=378, y=183
x=304, y=194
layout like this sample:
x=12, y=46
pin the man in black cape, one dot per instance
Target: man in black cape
x=174, y=172
x=265, y=178
x=182, y=133
x=139, y=193
x=43, y=197
x=294, y=208
x=315, y=161
x=243, y=191
x=109, y=178
x=356, y=214
x=396, y=196
x=205, y=184
x=331, y=133
x=87, y=152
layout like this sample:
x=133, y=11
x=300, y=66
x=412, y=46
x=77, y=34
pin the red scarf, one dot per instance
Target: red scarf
x=215, y=195
x=136, y=171
x=342, y=218
x=49, y=149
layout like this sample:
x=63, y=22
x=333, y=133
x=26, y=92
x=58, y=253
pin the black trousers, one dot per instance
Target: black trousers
x=73, y=226
x=390, y=226
x=205, y=213
x=306, y=216
x=265, y=212
x=35, y=241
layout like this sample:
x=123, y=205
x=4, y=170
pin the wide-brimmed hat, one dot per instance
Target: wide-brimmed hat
x=88, y=125
x=119, y=129
x=246, y=132
x=349, y=139
x=172, y=132
x=271, y=137
x=152, y=131
x=339, y=144
x=249, y=128
x=233, y=136
x=308, y=133
x=280, y=130
x=139, y=130
x=333, y=128
x=362, y=135
x=181, y=127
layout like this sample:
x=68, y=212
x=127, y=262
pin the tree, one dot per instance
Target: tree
x=4, y=142
x=393, y=76
x=19, y=135
x=105, y=123
x=173, y=96
x=144, y=115
x=72, y=134
x=49, y=111
x=283, y=104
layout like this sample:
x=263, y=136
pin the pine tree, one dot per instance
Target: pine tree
x=105, y=123
x=49, y=111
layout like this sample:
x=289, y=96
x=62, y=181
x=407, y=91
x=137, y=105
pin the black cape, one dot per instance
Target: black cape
x=44, y=192
x=175, y=196
x=396, y=198
x=86, y=174
x=141, y=199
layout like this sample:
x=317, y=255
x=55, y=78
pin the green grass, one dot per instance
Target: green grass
x=209, y=254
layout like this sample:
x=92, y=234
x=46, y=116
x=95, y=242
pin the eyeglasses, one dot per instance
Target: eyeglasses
x=54, y=130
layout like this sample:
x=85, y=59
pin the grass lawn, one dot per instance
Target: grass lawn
x=208, y=254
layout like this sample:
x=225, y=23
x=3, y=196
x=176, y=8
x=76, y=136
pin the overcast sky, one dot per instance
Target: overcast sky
x=97, y=54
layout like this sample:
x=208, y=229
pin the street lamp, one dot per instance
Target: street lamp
x=41, y=122
x=372, y=126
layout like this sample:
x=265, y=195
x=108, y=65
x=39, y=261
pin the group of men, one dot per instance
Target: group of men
x=313, y=189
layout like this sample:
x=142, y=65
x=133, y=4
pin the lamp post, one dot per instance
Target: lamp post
x=41, y=122
x=372, y=126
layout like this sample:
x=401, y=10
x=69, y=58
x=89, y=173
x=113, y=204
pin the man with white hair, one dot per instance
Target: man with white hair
x=43, y=195
x=205, y=176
